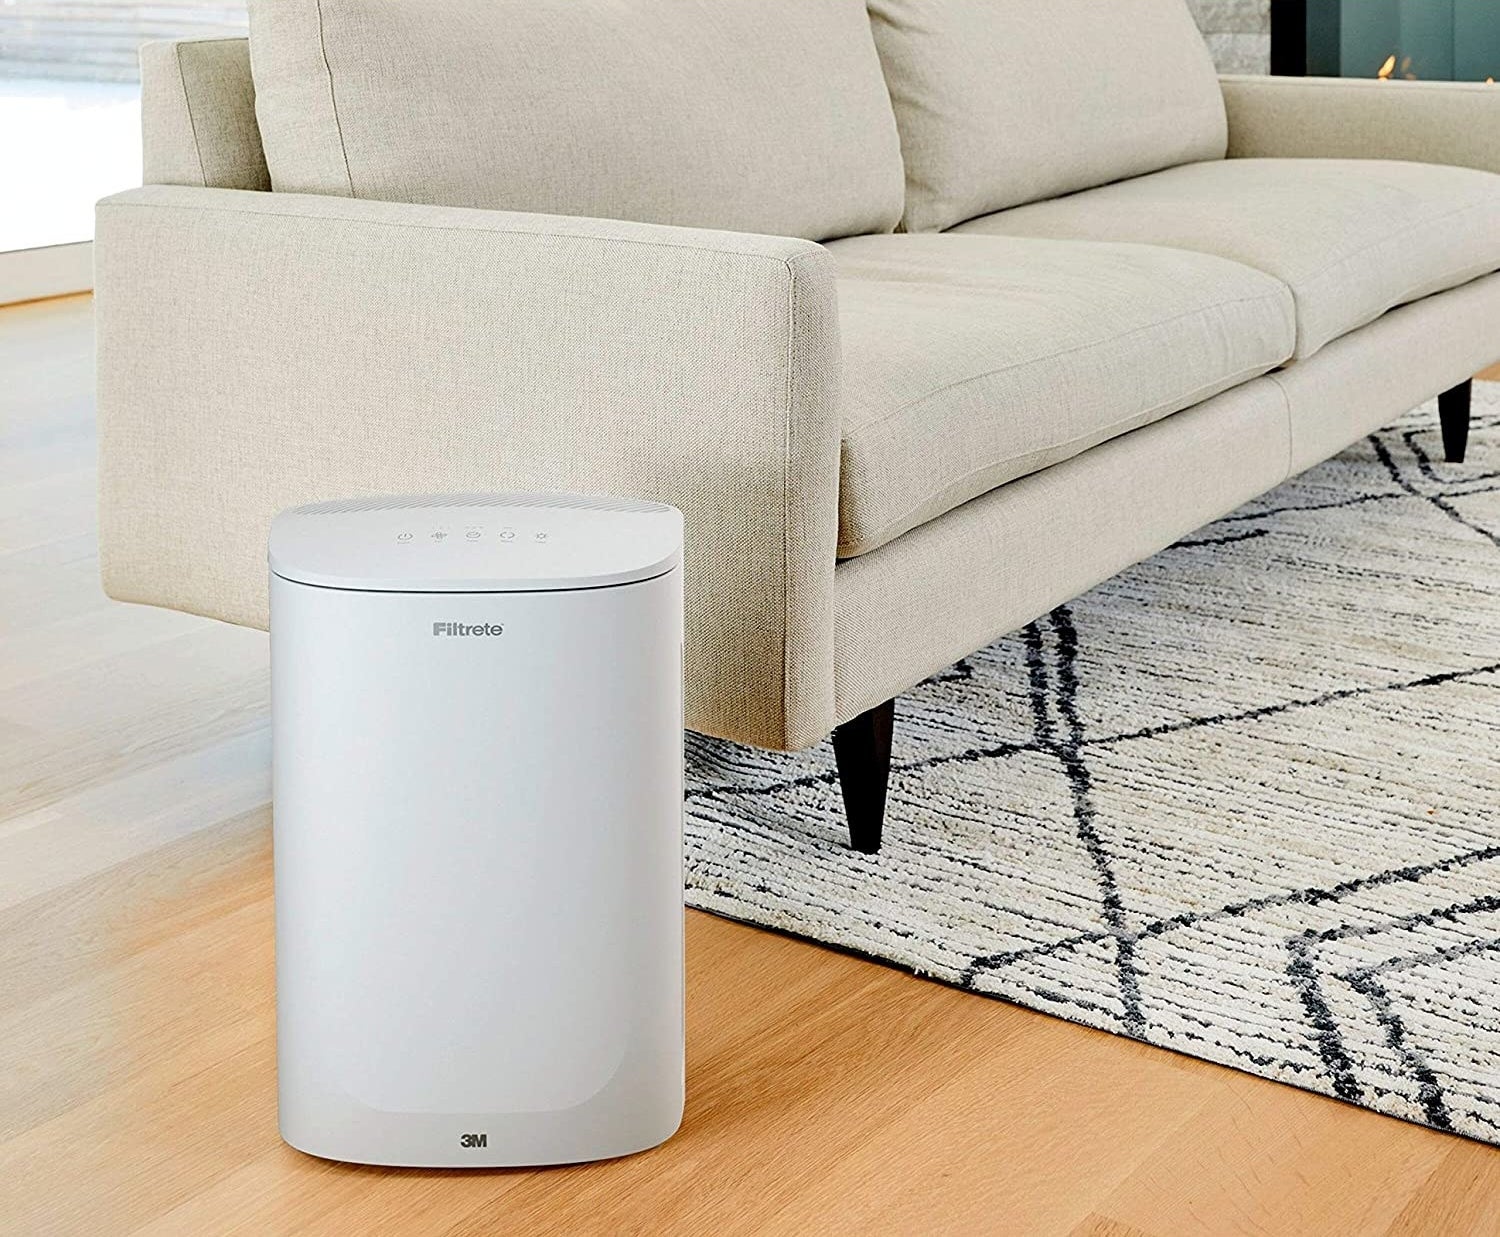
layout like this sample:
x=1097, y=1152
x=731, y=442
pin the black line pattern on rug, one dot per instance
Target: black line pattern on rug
x=824, y=777
x=1429, y=1090
x=1382, y=453
x=1002, y=750
x=1069, y=751
x=1327, y=1037
x=1367, y=982
x=1228, y=539
x=960, y=671
x=1424, y=461
x=1412, y=438
x=1308, y=895
x=1239, y=517
x=1302, y=970
x=1271, y=710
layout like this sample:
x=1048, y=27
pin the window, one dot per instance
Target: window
x=70, y=110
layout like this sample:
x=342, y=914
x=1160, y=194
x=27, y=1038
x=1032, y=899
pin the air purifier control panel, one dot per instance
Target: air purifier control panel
x=518, y=542
x=475, y=536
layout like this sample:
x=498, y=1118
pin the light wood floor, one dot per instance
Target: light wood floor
x=825, y=1094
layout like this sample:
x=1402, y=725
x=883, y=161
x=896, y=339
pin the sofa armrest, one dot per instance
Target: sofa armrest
x=261, y=350
x=1361, y=118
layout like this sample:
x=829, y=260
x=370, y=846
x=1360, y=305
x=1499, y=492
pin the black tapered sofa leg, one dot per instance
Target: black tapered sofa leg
x=862, y=749
x=1453, y=412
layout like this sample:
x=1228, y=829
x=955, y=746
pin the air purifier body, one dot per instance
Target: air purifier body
x=477, y=752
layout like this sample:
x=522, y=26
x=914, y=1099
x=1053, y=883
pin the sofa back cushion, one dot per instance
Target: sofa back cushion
x=749, y=115
x=198, y=115
x=1001, y=102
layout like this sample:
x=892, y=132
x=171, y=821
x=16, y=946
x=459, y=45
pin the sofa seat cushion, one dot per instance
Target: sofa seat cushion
x=763, y=116
x=1352, y=238
x=970, y=361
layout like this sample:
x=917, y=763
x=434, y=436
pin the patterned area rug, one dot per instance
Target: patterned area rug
x=1242, y=801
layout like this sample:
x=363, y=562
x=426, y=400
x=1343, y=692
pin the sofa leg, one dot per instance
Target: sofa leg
x=862, y=749
x=1453, y=412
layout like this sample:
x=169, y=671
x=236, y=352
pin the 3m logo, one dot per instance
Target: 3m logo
x=473, y=1140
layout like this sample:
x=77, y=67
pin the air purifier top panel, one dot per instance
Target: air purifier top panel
x=441, y=543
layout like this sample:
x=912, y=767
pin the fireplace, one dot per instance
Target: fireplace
x=1446, y=40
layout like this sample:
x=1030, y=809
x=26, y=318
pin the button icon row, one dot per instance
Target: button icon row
x=474, y=534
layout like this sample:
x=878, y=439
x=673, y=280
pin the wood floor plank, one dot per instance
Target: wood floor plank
x=1103, y=1226
x=102, y=631
x=1251, y=1163
x=96, y=723
x=95, y=828
x=1050, y=1172
x=55, y=507
x=1461, y=1196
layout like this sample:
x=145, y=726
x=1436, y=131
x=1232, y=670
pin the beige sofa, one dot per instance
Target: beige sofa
x=929, y=318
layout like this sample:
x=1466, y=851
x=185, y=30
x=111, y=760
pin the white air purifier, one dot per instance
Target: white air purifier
x=477, y=718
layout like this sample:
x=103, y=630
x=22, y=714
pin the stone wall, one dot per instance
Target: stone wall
x=1238, y=33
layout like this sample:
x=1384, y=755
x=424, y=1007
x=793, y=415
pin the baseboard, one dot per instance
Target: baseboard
x=54, y=270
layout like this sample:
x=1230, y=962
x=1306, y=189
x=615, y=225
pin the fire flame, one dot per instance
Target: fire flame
x=1387, y=68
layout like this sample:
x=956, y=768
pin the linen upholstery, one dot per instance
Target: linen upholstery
x=970, y=361
x=198, y=115
x=1365, y=380
x=951, y=586
x=262, y=350
x=1001, y=102
x=755, y=115
x=1351, y=238
x=943, y=590
x=1359, y=118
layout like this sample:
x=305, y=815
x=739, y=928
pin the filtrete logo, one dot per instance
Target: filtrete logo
x=468, y=629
